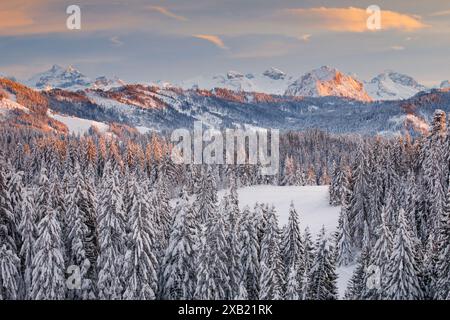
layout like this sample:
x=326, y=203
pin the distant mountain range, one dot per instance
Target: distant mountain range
x=324, y=81
x=70, y=79
x=142, y=108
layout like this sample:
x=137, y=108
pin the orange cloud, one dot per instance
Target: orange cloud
x=166, y=12
x=353, y=19
x=213, y=39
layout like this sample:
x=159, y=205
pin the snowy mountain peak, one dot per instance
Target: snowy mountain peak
x=59, y=77
x=105, y=83
x=328, y=81
x=391, y=85
x=274, y=74
x=234, y=75
x=69, y=78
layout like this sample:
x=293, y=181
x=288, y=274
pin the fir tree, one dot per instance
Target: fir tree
x=271, y=278
x=249, y=254
x=111, y=233
x=322, y=276
x=140, y=266
x=213, y=278
x=402, y=272
x=179, y=276
x=9, y=274
x=48, y=278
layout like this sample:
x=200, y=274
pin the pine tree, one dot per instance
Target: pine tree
x=233, y=219
x=292, y=248
x=48, y=278
x=206, y=197
x=308, y=260
x=379, y=258
x=443, y=258
x=271, y=278
x=178, y=275
x=402, y=272
x=81, y=240
x=213, y=278
x=28, y=232
x=111, y=233
x=140, y=268
x=249, y=254
x=358, y=204
x=292, y=285
x=9, y=274
x=7, y=219
x=343, y=244
x=357, y=285
x=322, y=276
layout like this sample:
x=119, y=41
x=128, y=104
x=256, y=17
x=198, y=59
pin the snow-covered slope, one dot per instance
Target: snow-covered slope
x=271, y=81
x=445, y=84
x=79, y=126
x=70, y=79
x=9, y=104
x=391, y=85
x=328, y=81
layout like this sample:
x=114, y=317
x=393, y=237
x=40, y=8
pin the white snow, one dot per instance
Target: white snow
x=7, y=105
x=391, y=85
x=271, y=81
x=78, y=125
x=311, y=203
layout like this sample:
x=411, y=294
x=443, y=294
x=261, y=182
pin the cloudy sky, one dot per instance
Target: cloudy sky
x=148, y=40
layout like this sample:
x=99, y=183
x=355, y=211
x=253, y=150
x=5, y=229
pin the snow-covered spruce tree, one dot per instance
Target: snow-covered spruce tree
x=271, y=277
x=293, y=288
x=162, y=215
x=16, y=191
x=442, y=290
x=380, y=256
x=242, y=293
x=111, y=234
x=358, y=205
x=28, y=232
x=249, y=254
x=293, y=252
x=402, y=281
x=43, y=195
x=140, y=263
x=9, y=274
x=7, y=219
x=308, y=259
x=434, y=173
x=233, y=219
x=336, y=186
x=292, y=245
x=357, y=284
x=48, y=278
x=212, y=273
x=344, y=252
x=178, y=270
x=206, y=196
x=81, y=238
x=322, y=277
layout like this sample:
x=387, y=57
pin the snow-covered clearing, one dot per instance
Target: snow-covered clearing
x=78, y=125
x=311, y=203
